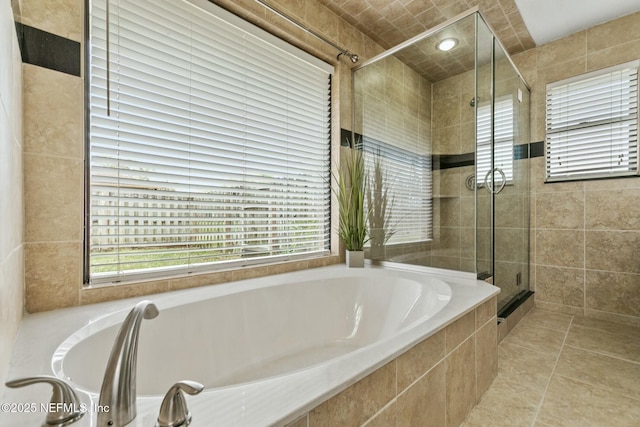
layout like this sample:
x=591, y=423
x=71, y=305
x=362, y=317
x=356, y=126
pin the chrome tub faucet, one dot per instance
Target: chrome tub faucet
x=118, y=391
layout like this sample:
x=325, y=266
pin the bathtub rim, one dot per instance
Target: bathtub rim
x=37, y=339
x=442, y=292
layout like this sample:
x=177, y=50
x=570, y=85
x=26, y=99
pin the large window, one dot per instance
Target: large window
x=592, y=125
x=208, y=142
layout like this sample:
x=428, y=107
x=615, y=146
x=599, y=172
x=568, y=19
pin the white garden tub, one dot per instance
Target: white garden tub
x=266, y=349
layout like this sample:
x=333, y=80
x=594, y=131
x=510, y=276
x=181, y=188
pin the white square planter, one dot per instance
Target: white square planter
x=355, y=259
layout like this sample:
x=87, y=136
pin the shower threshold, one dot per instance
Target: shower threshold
x=513, y=304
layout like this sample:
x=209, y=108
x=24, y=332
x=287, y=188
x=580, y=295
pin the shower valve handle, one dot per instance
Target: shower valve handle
x=174, y=411
x=64, y=400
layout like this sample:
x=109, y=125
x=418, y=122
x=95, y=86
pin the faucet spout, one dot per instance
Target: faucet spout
x=118, y=391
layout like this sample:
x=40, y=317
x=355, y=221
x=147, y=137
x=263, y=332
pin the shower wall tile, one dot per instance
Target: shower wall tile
x=510, y=244
x=509, y=211
x=612, y=209
x=613, y=33
x=62, y=17
x=617, y=251
x=446, y=112
x=53, y=113
x=446, y=140
x=467, y=242
x=618, y=54
x=560, y=308
x=449, y=211
x=560, y=285
x=447, y=262
x=52, y=273
x=561, y=210
x=467, y=137
x=613, y=292
x=565, y=49
x=53, y=210
x=563, y=248
x=447, y=242
x=563, y=70
x=448, y=88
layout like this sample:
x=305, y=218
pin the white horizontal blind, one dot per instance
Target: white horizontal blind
x=216, y=148
x=407, y=178
x=592, y=125
x=502, y=137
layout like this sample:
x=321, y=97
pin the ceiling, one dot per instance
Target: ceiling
x=569, y=16
x=519, y=24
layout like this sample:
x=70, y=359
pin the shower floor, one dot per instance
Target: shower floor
x=560, y=370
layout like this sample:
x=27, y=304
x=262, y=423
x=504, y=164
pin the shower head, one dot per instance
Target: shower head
x=354, y=58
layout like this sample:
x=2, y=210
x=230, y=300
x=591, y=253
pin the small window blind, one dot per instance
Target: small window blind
x=215, y=148
x=502, y=138
x=592, y=125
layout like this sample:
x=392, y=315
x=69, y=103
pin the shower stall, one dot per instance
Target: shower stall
x=443, y=120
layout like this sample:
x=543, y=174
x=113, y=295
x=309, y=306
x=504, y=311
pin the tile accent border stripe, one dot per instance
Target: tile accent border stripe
x=48, y=50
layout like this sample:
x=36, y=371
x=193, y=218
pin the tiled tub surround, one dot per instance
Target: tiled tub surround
x=448, y=359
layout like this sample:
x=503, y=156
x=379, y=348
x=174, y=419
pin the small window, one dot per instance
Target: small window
x=592, y=125
x=502, y=138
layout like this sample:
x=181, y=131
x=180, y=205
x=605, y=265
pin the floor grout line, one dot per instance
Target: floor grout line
x=601, y=353
x=544, y=394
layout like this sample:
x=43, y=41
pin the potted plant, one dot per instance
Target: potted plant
x=352, y=226
x=380, y=204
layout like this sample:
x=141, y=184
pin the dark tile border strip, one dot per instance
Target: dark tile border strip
x=449, y=161
x=48, y=50
x=536, y=149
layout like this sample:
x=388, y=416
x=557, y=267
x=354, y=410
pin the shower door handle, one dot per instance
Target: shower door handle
x=490, y=188
x=504, y=181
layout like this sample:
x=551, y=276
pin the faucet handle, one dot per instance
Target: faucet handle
x=174, y=411
x=64, y=401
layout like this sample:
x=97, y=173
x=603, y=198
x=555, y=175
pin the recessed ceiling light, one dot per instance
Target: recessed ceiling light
x=447, y=44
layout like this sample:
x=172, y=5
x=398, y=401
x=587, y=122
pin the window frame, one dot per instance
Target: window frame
x=568, y=176
x=184, y=270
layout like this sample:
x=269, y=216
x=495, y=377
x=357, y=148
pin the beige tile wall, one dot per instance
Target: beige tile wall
x=453, y=132
x=11, y=206
x=436, y=383
x=53, y=150
x=585, y=236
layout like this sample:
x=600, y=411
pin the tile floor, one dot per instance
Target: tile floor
x=558, y=370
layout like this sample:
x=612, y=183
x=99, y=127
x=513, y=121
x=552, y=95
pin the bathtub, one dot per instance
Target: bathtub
x=267, y=349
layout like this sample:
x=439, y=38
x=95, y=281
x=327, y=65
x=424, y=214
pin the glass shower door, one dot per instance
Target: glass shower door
x=510, y=181
x=502, y=174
